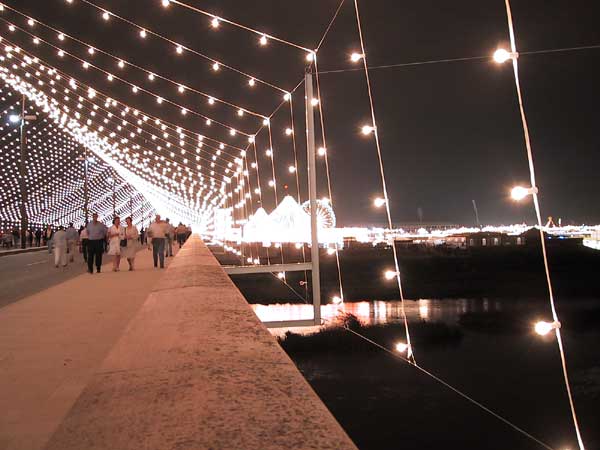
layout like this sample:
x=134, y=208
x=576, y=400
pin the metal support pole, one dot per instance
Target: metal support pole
x=86, y=194
x=312, y=196
x=114, y=198
x=23, y=179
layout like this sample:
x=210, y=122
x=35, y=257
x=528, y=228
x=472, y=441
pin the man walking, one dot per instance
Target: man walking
x=169, y=238
x=157, y=232
x=59, y=241
x=72, y=241
x=95, y=245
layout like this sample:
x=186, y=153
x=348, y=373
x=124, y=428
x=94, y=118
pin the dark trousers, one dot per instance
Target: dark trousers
x=95, y=248
x=158, y=251
x=180, y=239
x=84, y=249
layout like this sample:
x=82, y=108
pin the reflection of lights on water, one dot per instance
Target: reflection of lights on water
x=424, y=312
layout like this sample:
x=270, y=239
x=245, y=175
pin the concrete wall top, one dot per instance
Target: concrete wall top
x=195, y=369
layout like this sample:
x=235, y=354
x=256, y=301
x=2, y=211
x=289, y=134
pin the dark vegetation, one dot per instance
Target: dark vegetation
x=336, y=339
x=439, y=272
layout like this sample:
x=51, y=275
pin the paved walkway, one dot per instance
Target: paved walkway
x=51, y=344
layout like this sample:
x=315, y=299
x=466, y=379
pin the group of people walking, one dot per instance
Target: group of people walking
x=119, y=241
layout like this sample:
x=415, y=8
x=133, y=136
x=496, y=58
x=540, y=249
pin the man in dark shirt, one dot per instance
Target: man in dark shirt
x=95, y=245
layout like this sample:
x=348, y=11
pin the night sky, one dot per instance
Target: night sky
x=450, y=132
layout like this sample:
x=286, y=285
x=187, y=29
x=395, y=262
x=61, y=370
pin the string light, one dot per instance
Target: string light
x=263, y=40
x=519, y=192
x=355, y=57
x=314, y=101
x=91, y=50
x=215, y=66
x=121, y=64
x=240, y=112
x=291, y=169
x=31, y=22
x=215, y=22
x=502, y=55
x=379, y=202
x=143, y=33
x=288, y=131
x=337, y=300
x=321, y=151
x=251, y=82
x=61, y=37
x=401, y=347
x=179, y=49
x=106, y=15
x=390, y=274
x=543, y=328
x=310, y=57
x=366, y=129
x=166, y=3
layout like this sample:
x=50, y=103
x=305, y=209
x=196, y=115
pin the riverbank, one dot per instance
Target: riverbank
x=435, y=272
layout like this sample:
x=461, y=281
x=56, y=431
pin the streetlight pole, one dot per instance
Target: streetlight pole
x=86, y=198
x=23, y=179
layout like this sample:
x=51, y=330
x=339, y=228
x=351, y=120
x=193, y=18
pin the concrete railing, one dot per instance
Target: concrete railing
x=196, y=369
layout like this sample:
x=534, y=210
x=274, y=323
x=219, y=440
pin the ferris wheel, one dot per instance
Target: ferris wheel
x=325, y=214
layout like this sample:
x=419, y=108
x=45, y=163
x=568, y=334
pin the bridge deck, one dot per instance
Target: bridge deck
x=195, y=369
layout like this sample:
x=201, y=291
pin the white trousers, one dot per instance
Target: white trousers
x=60, y=256
x=72, y=249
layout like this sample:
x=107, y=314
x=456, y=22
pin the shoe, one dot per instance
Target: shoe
x=91, y=272
x=162, y=267
x=97, y=270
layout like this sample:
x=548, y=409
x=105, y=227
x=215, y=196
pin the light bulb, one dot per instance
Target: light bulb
x=61, y=37
x=321, y=151
x=109, y=77
x=355, y=57
x=251, y=82
x=36, y=41
x=159, y=100
x=291, y=169
x=215, y=22
x=330, y=251
x=288, y=131
x=183, y=111
x=271, y=183
x=134, y=89
x=211, y=101
x=366, y=129
x=151, y=76
x=121, y=64
x=143, y=33
x=314, y=101
x=215, y=66
x=263, y=40
x=208, y=122
x=105, y=15
x=543, y=328
x=390, y=274
x=13, y=118
x=179, y=49
x=281, y=275
x=501, y=56
x=265, y=121
x=30, y=22
x=519, y=192
x=181, y=89
x=268, y=152
x=91, y=50
x=240, y=112
x=232, y=132
x=287, y=96
x=337, y=300
x=379, y=202
x=310, y=56
x=166, y=3
x=401, y=347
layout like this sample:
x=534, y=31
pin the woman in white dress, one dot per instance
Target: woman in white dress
x=132, y=235
x=116, y=234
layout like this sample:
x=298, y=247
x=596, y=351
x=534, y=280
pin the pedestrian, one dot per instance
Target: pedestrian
x=38, y=237
x=83, y=238
x=131, y=243
x=48, y=238
x=30, y=237
x=59, y=241
x=72, y=241
x=157, y=233
x=169, y=237
x=116, y=236
x=180, y=230
x=96, y=238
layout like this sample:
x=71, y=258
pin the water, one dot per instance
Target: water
x=384, y=403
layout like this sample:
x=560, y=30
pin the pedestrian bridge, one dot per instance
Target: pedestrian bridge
x=172, y=359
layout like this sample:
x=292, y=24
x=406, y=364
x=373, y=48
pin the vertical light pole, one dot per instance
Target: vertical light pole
x=312, y=195
x=86, y=194
x=476, y=213
x=22, y=179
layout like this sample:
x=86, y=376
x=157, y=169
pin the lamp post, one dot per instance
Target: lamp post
x=23, y=169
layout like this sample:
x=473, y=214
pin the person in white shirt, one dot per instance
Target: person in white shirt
x=116, y=234
x=59, y=241
x=157, y=232
x=72, y=241
x=131, y=235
